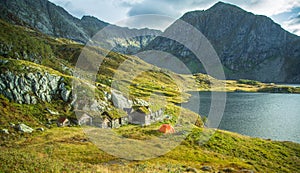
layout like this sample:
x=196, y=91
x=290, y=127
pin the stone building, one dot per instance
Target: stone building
x=144, y=119
x=85, y=119
x=112, y=121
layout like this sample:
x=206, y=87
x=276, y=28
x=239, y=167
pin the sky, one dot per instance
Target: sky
x=122, y=12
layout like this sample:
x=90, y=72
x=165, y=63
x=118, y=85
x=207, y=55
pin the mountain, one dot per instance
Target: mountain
x=249, y=46
x=53, y=20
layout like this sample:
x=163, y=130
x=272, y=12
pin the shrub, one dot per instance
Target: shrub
x=248, y=82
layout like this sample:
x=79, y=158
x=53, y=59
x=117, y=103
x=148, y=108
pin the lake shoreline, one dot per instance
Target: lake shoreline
x=256, y=114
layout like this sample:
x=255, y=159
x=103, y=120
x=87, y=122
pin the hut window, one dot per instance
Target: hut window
x=120, y=120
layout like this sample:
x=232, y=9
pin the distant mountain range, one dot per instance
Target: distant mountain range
x=249, y=46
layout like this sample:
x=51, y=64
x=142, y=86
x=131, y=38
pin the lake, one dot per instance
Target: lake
x=264, y=115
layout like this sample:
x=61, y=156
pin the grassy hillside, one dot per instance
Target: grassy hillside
x=68, y=149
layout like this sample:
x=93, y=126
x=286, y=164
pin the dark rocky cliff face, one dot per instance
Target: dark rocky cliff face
x=249, y=46
x=46, y=17
x=55, y=21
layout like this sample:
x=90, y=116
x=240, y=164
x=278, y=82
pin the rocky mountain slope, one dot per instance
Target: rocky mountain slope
x=53, y=20
x=249, y=46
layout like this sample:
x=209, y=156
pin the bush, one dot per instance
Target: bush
x=248, y=82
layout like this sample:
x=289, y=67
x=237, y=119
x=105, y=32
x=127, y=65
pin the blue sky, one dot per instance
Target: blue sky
x=284, y=12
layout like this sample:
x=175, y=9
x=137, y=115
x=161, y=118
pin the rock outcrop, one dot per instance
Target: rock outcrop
x=29, y=88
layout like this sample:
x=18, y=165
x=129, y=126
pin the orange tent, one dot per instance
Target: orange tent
x=166, y=128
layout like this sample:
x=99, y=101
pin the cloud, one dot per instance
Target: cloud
x=271, y=7
x=175, y=7
x=107, y=10
x=172, y=8
x=289, y=20
x=293, y=25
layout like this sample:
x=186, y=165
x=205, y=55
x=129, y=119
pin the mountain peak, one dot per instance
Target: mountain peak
x=88, y=17
x=221, y=3
x=93, y=19
x=222, y=6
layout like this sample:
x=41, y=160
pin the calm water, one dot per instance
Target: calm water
x=270, y=116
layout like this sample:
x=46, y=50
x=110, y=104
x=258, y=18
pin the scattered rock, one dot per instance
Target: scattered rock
x=24, y=128
x=107, y=96
x=12, y=125
x=3, y=61
x=228, y=170
x=189, y=169
x=65, y=93
x=52, y=112
x=206, y=168
x=247, y=171
x=168, y=117
x=40, y=129
x=182, y=132
x=97, y=106
x=4, y=131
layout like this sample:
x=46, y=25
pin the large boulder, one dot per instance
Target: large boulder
x=4, y=131
x=119, y=101
x=65, y=93
x=24, y=128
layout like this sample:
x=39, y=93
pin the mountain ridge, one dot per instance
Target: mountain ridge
x=247, y=44
x=53, y=20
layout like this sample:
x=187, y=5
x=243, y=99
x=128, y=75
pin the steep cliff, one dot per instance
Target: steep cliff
x=249, y=46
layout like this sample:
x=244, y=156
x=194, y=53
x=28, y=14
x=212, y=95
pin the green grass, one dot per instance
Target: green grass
x=248, y=82
x=69, y=150
x=62, y=150
x=33, y=115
